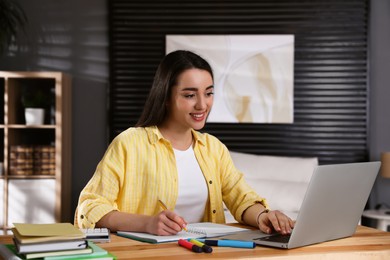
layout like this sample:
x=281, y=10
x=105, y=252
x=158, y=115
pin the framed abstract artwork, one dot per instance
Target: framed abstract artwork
x=253, y=75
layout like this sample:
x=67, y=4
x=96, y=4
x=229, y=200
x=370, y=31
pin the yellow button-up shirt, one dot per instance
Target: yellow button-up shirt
x=139, y=167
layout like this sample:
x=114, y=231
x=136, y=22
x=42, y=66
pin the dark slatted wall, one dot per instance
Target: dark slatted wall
x=330, y=74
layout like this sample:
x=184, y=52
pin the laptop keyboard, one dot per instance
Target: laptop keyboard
x=276, y=238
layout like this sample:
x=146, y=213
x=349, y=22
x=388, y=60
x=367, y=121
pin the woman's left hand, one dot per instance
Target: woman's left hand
x=275, y=220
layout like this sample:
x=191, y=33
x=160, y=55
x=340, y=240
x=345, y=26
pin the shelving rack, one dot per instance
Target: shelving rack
x=34, y=196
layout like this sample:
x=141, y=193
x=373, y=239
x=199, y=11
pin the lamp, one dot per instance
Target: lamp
x=385, y=167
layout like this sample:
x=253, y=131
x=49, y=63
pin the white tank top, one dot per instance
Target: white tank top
x=193, y=193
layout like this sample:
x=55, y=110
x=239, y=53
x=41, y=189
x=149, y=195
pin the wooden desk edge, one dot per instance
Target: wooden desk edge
x=365, y=243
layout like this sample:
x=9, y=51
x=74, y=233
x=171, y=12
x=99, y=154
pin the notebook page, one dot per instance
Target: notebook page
x=145, y=237
x=195, y=230
x=208, y=229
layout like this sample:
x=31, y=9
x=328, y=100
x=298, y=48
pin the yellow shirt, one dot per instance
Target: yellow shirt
x=139, y=167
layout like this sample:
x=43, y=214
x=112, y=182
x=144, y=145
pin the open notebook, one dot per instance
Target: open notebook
x=195, y=230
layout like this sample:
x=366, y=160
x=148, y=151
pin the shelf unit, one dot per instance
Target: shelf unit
x=35, y=195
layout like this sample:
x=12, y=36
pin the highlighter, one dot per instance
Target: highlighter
x=205, y=248
x=190, y=246
x=229, y=243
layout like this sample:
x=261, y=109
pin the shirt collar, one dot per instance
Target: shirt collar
x=155, y=135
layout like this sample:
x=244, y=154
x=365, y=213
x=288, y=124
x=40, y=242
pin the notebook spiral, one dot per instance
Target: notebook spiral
x=195, y=230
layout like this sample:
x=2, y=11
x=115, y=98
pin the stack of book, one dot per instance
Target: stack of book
x=44, y=160
x=21, y=160
x=53, y=242
x=32, y=159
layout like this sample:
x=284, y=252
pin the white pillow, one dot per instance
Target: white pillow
x=281, y=180
x=282, y=168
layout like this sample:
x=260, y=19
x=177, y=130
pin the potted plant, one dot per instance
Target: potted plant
x=12, y=20
x=35, y=100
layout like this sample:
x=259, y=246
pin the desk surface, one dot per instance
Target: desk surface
x=365, y=243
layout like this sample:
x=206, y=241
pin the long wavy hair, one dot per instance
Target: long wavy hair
x=169, y=69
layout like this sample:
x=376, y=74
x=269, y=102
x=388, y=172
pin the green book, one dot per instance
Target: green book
x=97, y=253
x=85, y=251
x=9, y=252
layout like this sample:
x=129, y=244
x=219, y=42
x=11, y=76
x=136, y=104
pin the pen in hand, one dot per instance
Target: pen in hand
x=163, y=206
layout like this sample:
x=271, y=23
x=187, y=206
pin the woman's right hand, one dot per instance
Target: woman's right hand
x=166, y=223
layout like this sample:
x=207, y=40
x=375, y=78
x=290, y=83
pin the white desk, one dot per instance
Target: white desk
x=380, y=215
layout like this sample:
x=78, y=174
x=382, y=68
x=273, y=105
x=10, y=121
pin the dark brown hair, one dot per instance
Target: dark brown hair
x=165, y=78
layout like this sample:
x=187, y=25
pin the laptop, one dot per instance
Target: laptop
x=332, y=207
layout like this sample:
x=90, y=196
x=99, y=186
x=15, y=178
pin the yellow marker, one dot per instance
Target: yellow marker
x=162, y=205
x=205, y=248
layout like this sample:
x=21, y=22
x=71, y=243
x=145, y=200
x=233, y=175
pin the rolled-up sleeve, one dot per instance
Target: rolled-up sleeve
x=138, y=168
x=99, y=196
x=238, y=195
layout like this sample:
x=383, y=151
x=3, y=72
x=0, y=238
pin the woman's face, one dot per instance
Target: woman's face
x=191, y=100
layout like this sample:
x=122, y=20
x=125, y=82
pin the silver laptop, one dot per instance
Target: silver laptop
x=332, y=207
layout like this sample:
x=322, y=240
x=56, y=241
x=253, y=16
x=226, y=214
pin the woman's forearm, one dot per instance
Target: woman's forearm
x=250, y=214
x=165, y=223
x=116, y=220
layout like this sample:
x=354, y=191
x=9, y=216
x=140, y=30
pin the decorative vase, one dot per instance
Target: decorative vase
x=34, y=116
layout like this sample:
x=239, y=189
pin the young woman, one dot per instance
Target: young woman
x=164, y=158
